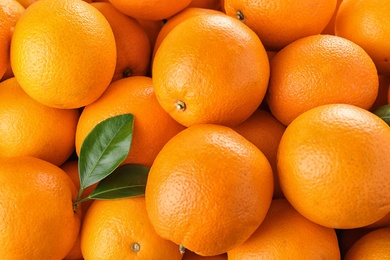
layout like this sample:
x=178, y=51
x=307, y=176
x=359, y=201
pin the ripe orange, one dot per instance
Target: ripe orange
x=63, y=53
x=38, y=221
x=208, y=189
x=280, y=22
x=29, y=128
x=286, y=234
x=367, y=23
x=5, y=40
x=264, y=131
x=318, y=70
x=150, y=9
x=132, y=42
x=120, y=229
x=374, y=245
x=210, y=69
x=334, y=168
x=153, y=127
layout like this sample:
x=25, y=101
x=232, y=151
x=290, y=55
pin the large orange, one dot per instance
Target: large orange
x=29, y=128
x=150, y=9
x=334, y=168
x=210, y=69
x=132, y=42
x=373, y=245
x=264, y=131
x=153, y=127
x=208, y=189
x=37, y=217
x=280, y=22
x=5, y=40
x=318, y=70
x=286, y=234
x=367, y=23
x=120, y=229
x=63, y=53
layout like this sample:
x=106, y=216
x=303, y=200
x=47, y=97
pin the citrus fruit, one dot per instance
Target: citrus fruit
x=63, y=53
x=29, y=128
x=38, y=221
x=208, y=189
x=318, y=70
x=286, y=234
x=120, y=229
x=280, y=22
x=197, y=79
x=334, y=168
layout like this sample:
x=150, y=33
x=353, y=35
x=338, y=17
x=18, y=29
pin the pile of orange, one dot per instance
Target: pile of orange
x=257, y=119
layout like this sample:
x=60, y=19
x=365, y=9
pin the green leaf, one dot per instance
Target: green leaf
x=384, y=113
x=126, y=181
x=105, y=148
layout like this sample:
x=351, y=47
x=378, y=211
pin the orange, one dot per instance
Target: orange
x=132, y=42
x=264, y=131
x=63, y=53
x=334, y=168
x=13, y=10
x=189, y=255
x=153, y=127
x=374, y=245
x=286, y=234
x=383, y=91
x=5, y=40
x=367, y=23
x=208, y=189
x=38, y=221
x=318, y=70
x=206, y=4
x=210, y=69
x=120, y=229
x=29, y=128
x=177, y=19
x=330, y=27
x=280, y=22
x=150, y=9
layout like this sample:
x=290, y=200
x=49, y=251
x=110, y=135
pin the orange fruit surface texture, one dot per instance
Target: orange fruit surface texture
x=367, y=24
x=334, y=168
x=38, y=221
x=150, y=9
x=286, y=234
x=318, y=70
x=373, y=245
x=120, y=229
x=132, y=42
x=62, y=57
x=280, y=22
x=198, y=79
x=208, y=189
x=153, y=127
x=29, y=128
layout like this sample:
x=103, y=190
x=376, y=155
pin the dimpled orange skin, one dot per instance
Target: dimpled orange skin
x=38, y=221
x=334, y=168
x=208, y=189
x=214, y=64
x=63, y=53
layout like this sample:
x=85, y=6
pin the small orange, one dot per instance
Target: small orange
x=153, y=127
x=37, y=217
x=264, y=131
x=150, y=9
x=367, y=23
x=29, y=128
x=373, y=245
x=208, y=189
x=210, y=68
x=280, y=22
x=132, y=42
x=334, y=168
x=318, y=70
x=286, y=234
x=120, y=229
x=63, y=53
